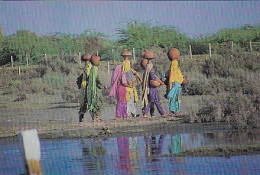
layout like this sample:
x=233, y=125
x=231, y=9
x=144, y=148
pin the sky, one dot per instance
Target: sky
x=190, y=17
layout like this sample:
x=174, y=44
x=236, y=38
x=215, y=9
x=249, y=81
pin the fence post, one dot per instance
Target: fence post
x=27, y=60
x=209, y=50
x=45, y=57
x=97, y=53
x=19, y=70
x=134, y=53
x=232, y=46
x=12, y=61
x=250, y=46
x=190, y=52
x=79, y=58
x=108, y=68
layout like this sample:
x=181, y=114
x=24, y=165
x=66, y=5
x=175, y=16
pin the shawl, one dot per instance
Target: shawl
x=92, y=87
x=174, y=74
x=146, y=82
x=129, y=91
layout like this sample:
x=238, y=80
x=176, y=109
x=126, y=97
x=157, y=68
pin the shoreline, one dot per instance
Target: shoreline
x=113, y=128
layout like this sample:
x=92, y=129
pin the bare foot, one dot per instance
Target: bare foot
x=145, y=116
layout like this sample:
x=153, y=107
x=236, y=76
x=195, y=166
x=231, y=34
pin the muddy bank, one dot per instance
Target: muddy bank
x=226, y=151
x=54, y=129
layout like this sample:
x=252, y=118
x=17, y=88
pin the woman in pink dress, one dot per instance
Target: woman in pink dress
x=118, y=91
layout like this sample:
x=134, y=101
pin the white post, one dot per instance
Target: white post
x=232, y=46
x=27, y=60
x=190, y=51
x=79, y=58
x=209, y=50
x=134, y=53
x=19, y=70
x=12, y=61
x=108, y=68
x=45, y=56
x=250, y=46
x=97, y=53
x=31, y=151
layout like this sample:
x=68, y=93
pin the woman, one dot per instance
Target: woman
x=131, y=92
x=118, y=91
x=150, y=91
x=175, y=79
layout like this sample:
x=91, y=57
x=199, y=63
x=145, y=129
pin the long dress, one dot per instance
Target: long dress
x=174, y=87
x=131, y=92
x=153, y=95
x=118, y=91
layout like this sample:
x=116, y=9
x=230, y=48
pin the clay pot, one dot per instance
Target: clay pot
x=126, y=53
x=85, y=57
x=95, y=60
x=149, y=55
x=155, y=83
x=144, y=62
x=173, y=54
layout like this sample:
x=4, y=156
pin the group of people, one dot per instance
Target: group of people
x=123, y=86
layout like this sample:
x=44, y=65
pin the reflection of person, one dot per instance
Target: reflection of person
x=150, y=84
x=152, y=147
x=131, y=92
x=118, y=91
x=93, y=153
x=176, y=144
x=124, y=156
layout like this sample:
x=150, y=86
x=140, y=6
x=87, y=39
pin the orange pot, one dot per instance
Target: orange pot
x=95, y=60
x=155, y=83
x=149, y=55
x=173, y=54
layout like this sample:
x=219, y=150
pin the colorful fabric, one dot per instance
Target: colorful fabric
x=146, y=84
x=174, y=96
x=86, y=74
x=131, y=106
x=118, y=91
x=117, y=77
x=92, y=88
x=153, y=96
x=129, y=90
x=175, y=74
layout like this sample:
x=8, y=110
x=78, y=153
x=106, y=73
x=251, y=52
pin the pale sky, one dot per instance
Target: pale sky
x=190, y=17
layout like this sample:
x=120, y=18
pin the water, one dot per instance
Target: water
x=134, y=155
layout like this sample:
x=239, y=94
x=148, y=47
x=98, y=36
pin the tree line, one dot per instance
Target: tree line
x=139, y=35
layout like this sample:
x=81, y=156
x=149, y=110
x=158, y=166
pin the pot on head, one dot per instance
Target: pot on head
x=173, y=54
x=95, y=60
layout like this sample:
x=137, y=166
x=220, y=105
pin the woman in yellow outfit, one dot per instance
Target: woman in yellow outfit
x=131, y=92
x=175, y=79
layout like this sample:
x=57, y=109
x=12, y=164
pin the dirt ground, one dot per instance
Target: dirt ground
x=54, y=118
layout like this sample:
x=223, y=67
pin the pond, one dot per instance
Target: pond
x=135, y=155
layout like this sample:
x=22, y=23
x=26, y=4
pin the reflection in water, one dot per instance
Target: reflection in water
x=124, y=157
x=93, y=151
x=152, y=147
x=135, y=155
